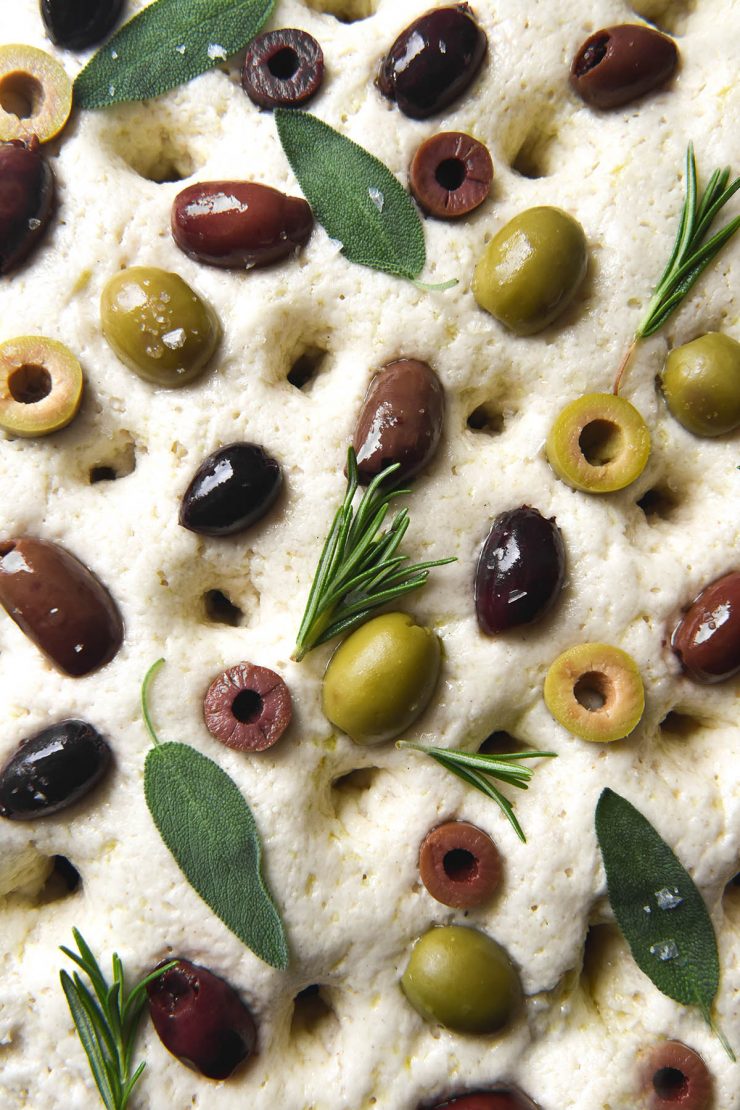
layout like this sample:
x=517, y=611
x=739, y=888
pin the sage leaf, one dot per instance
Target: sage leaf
x=657, y=906
x=209, y=828
x=166, y=44
x=355, y=198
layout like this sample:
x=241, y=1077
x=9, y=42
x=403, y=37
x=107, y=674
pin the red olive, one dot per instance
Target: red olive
x=501, y=1099
x=283, y=68
x=675, y=1076
x=618, y=64
x=247, y=708
x=451, y=174
x=27, y=195
x=707, y=638
x=459, y=865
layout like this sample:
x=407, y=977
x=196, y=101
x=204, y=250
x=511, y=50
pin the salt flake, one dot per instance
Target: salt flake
x=668, y=899
x=215, y=52
x=181, y=48
x=664, y=950
x=376, y=197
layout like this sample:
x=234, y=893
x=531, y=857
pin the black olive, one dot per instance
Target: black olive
x=52, y=770
x=283, y=69
x=232, y=489
x=78, y=24
x=433, y=61
x=27, y=196
x=520, y=570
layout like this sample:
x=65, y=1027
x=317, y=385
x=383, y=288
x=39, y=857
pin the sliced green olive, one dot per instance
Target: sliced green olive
x=40, y=386
x=596, y=692
x=35, y=94
x=599, y=443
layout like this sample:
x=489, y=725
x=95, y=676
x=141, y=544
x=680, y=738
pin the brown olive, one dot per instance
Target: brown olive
x=52, y=770
x=400, y=420
x=239, y=224
x=676, y=1076
x=618, y=64
x=59, y=604
x=451, y=174
x=283, y=68
x=707, y=638
x=499, y=1099
x=27, y=196
x=247, y=708
x=459, y=865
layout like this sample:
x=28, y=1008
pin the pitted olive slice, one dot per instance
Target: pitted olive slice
x=596, y=692
x=35, y=94
x=40, y=386
x=599, y=443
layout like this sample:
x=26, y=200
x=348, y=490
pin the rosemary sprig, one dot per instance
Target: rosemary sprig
x=473, y=770
x=691, y=254
x=107, y=1020
x=359, y=568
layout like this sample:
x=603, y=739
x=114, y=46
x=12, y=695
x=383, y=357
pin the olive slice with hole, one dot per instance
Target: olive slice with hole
x=596, y=692
x=450, y=174
x=599, y=443
x=459, y=865
x=675, y=1075
x=35, y=94
x=40, y=386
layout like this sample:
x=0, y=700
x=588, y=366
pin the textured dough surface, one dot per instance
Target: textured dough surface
x=342, y=860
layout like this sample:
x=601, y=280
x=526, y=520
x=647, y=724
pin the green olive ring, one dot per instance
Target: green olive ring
x=589, y=674
x=599, y=443
x=40, y=386
x=37, y=92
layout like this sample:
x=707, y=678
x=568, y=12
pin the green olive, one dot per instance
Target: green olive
x=701, y=382
x=380, y=679
x=40, y=386
x=599, y=443
x=531, y=269
x=461, y=979
x=158, y=326
x=596, y=692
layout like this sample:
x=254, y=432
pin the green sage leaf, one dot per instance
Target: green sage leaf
x=657, y=906
x=165, y=45
x=353, y=195
x=209, y=828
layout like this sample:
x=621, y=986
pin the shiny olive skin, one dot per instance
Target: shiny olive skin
x=77, y=24
x=381, y=678
x=459, y=865
x=53, y=770
x=158, y=326
x=520, y=570
x=231, y=490
x=239, y=224
x=461, y=979
x=27, y=201
x=618, y=64
x=283, y=68
x=433, y=61
x=707, y=638
x=675, y=1076
x=400, y=420
x=201, y=1019
x=450, y=174
x=60, y=605
x=498, y=1099
x=532, y=269
x=701, y=383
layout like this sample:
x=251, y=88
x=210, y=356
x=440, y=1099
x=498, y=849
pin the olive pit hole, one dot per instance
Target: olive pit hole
x=450, y=174
x=29, y=384
x=221, y=609
x=284, y=63
x=247, y=706
x=592, y=690
x=600, y=441
x=460, y=865
x=670, y=1084
x=306, y=368
x=594, y=53
x=21, y=94
x=486, y=418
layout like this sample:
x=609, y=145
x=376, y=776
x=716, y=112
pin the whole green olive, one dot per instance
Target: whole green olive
x=461, y=979
x=531, y=269
x=701, y=383
x=380, y=679
x=158, y=326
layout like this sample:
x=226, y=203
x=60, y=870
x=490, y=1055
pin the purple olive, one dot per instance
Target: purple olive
x=618, y=64
x=230, y=490
x=520, y=570
x=201, y=1019
x=501, y=1099
x=283, y=68
x=52, y=770
x=707, y=638
x=27, y=195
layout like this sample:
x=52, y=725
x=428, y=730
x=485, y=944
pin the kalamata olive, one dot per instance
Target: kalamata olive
x=433, y=61
x=239, y=224
x=201, y=1019
x=247, y=707
x=59, y=604
x=499, y=1099
x=52, y=770
x=400, y=420
x=520, y=570
x=707, y=638
x=451, y=174
x=77, y=24
x=676, y=1076
x=27, y=195
x=459, y=865
x=618, y=64
x=283, y=68
x=232, y=489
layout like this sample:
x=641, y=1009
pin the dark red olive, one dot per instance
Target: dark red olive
x=675, y=1076
x=52, y=770
x=400, y=420
x=707, y=638
x=283, y=69
x=27, y=196
x=433, y=61
x=459, y=865
x=239, y=224
x=231, y=490
x=247, y=707
x=499, y=1099
x=451, y=174
x=201, y=1019
x=59, y=604
x=78, y=24
x=618, y=64
x=520, y=570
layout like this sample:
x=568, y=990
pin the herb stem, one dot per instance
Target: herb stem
x=148, y=679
